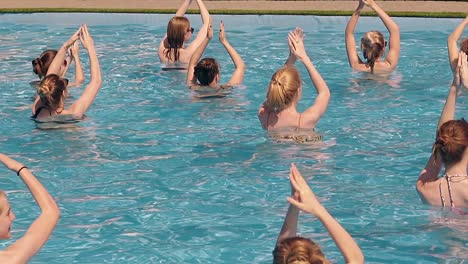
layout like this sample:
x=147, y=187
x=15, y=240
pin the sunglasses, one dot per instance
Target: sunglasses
x=191, y=30
x=65, y=80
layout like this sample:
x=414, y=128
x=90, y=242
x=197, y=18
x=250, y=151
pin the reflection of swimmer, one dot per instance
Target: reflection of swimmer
x=450, y=150
x=171, y=49
x=53, y=89
x=37, y=234
x=291, y=248
x=279, y=111
x=373, y=44
x=453, y=48
x=366, y=79
x=204, y=75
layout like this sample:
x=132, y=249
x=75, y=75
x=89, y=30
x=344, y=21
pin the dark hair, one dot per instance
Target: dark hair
x=176, y=29
x=373, y=45
x=41, y=64
x=464, y=45
x=206, y=70
x=295, y=249
x=451, y=141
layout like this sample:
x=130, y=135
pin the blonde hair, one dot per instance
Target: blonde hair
x=283, y=88
x=176, y=29
x=51, y=91
x=298, y=250
x=373, y=46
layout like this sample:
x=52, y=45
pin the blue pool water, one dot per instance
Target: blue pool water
x=153, y=175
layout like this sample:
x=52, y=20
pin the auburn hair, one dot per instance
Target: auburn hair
x=298, y=249
x=176, y=29
x=51, y=91
x=373, y=46
x=41, y=65
x=206, y=70
x=283, y=88
x=464, y=46
x=451, y=141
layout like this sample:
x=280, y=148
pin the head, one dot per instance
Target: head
x=452, y=141
x=178, y=32
x=464, y=45
x=41, y=64
x=373, y=47
x=52, y=90
x=6, y=217
x=284, y=88
x=298, y=250
x=207, y=71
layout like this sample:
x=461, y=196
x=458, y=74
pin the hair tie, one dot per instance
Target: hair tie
x=18, y=172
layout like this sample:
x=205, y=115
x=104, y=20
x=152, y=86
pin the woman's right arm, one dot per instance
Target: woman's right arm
x=205, y=15
x=353, y=58
x=191, y=79
x=89, y=94
x=394, y=42
x=305, y=200
x=57, y=63
x=79, y=75
x=318, y=108
x=431, y=171
x=39, y=231
x=452, y=43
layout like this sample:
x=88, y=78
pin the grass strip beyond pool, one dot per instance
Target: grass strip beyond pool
x=231, y=12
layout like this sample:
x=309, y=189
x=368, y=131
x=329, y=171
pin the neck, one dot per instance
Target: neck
x=459, y=169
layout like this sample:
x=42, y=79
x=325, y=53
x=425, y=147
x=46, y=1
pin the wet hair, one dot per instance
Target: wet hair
x=298, y=249
x=283, y=88
x=451, y=141
x=373, y=46
x=464, y=46
x=176, y=29
x=51, y=91
x=41, y=64
x=206, y=70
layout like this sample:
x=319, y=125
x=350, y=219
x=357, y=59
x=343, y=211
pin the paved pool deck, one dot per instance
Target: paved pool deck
x=252, y=5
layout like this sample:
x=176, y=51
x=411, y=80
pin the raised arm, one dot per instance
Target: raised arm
x=452, y=40
x=183, y=8
x=353, y=58
x=431, y=171
x=205, y=15
x=39, y=231
x=238, y=74
x=191, y=79
x=89, y=94
x=394, y=42
x=57, y=63
x=318, y=108
x=289, y=228
x=79, y=75
x=305, y=200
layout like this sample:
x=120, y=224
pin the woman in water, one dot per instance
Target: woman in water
x=205, y=72
x=293, y=249
x=39, y=231
x=450, y=150
x=279, y=110
x=171, y=49
x=52, y=90
x=42, y=63
x=452, y=46
x=372, y=43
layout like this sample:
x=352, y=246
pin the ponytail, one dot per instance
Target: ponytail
x=283, y=88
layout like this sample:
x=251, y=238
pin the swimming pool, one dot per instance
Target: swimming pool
x=153, y=175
